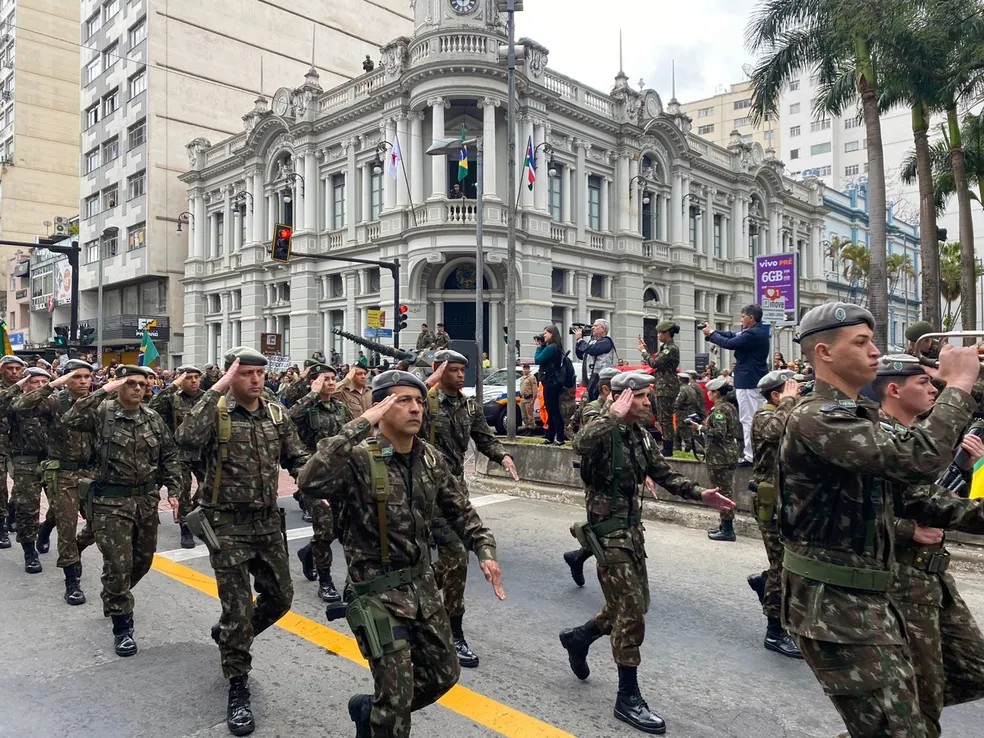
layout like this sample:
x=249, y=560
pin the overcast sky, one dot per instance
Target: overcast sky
x=705, y=37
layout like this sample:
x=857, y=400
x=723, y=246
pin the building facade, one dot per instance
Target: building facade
x=632, y=216
x=716, y=117
x=155, y=75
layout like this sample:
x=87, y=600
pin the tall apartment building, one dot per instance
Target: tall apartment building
x=39, y=128
x=717, y=116
x=156, y=75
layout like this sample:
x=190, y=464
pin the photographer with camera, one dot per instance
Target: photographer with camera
x=751, y=347
x=550, y=358
x=596, y=353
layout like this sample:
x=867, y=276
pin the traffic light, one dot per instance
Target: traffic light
x=401, y=319
x=280, y=249
x=382, y=318
x=61, y=335
x=86, y=335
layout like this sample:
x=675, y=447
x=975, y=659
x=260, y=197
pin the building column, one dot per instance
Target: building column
x=735, y=250
x=228, y=224
x=542, y=168
x=351, y=188
x=417, y=157
x=226, y=298
x=708, y=225
x=661, y=210
x=401, y=185
x=310, y=192
x=273, y=211
x=581, y=209
x=489, y=104
x=389, y=184
x=366, y=193
x=775, y=220
x=439, y=165
x=213, y=235
x=565, y=194
x=199, y=227
x=259, y=232
x=248, y=214
x=675, y=210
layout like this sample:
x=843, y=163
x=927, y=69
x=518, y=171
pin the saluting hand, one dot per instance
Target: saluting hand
x=62, y=380
x=318, y=383
x=374, y=414
x=621, y=406
x=715, y=500
x=434, y=378
x=493, y=575
x=180, y=380
x=113, y=385
x=225, y=381
x=790, y=389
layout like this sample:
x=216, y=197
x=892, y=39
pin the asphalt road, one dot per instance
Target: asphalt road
x=704, y=668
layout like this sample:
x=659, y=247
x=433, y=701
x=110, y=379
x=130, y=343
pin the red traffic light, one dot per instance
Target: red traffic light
x=284, y=233
x=404, y=309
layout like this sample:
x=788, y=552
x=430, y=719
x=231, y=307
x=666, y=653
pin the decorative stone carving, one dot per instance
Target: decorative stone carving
x=395, y=57
x=435, y=257
x=536, y=57
x=196, y=150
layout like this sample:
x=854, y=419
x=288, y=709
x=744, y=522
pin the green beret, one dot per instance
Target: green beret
x=917, y=330
x=189, y=369
x=363, y=362
x=11, y=359
x=831, y=316
x=899, y=365
x=130, y=370
x=395, y=378
x=72, y=364
x=318, y=367
x=631, y=381
x=666, y=325
x=774, y=380
x=717, y=385
x=246, y=356
x=452, y=357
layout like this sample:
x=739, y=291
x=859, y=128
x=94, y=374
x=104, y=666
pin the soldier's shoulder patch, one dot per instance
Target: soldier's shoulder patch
x=847, y=403
x=833, y=407
x=719, y=416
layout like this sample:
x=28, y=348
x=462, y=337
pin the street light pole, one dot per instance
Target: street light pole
x=479, y=269
x=511, y=357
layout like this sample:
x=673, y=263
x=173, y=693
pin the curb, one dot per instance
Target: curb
x=963, y=558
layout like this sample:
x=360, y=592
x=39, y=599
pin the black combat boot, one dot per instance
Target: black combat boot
x=239, y=718
x=577, y=641
x=44, y=535
x=725, y=533
x=575, y=560
x=326, y=587
x=466, y=657
x=757, y=583
x=187, y=539
x=306, y=556
x=73, y=585
x=216, y=631
x=668, y=449
x=123, y=642
x=631, y=708
x=32, y=564
x=4, y=538
x=360, y=708
x=12, y=517
x=778, y=640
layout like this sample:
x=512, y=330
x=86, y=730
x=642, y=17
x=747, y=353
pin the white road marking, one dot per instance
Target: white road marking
x=200, y=552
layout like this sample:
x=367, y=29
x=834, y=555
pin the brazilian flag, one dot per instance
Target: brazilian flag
x=148, y=351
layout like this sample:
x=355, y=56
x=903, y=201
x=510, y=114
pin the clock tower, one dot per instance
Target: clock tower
x=452, y=14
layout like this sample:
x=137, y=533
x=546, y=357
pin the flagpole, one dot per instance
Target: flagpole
x=511, y=276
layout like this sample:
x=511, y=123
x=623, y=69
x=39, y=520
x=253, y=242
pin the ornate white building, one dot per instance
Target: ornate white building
x=632, y=218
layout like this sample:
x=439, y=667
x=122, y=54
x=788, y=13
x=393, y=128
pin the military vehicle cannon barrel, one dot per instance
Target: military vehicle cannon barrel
x=419, y=359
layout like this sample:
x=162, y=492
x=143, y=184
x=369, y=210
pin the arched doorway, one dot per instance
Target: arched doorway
x=459, y=305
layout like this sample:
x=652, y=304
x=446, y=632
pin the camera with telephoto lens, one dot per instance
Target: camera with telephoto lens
x=701, y=325
x=583, y=327
x=695, y=418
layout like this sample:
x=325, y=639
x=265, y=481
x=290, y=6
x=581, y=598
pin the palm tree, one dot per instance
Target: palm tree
x=898, y=266
x=972, y=136
x=950, y=281
x=836, y=40
x=856, y=258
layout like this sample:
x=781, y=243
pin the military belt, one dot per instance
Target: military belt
x=931, y=562
x=611, y=525
x=64, y=465
x=392, y=580
x=25, y=459
x=238, y=517
x=120, y=490
x=850, y=577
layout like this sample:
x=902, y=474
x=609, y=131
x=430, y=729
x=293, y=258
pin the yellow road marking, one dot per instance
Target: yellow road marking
x=472, y=705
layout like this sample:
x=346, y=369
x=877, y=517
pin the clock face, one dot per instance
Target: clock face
x=281, y=103
x=653, y=108
x=463, y=6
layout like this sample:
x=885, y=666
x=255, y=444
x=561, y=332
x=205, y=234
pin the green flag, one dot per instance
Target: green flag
x=148, y=351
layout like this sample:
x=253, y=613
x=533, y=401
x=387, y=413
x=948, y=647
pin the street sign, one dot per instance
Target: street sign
x=271, y=344
x=378, y=333
x=372, y=319
x=777, y=288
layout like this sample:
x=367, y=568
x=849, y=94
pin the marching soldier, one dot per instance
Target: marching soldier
x=136, y=455
x=68, y=459
x=451, y=420
x=398, y=616
x=780, y=392
x=839, y=475
x=11, y=369
x=620, y=454
x=689, y=401
x=173, y=403
x=721, y=428
x=244, y=439
x=665, y=362
x=27, y=450
x=319, y=415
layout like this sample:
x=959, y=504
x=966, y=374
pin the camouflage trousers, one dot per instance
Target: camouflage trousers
x=125, y=529
x=4, y=490
x=723, y=477
x=253, y=550
x=872, y=687
x=62, y=488
x=323, y=522
x=413, y=677
x=664, y=414
x=451, y=569
x=185, y=504
x=684, y=437
x=772, y=601
x=625, y=584
x=945, y=642
x=27, y=496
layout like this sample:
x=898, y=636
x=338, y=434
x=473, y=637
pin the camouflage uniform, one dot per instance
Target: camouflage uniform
x=425, y=340
x=295, y=391
x=316, y=419
x=173, y=405
x=689, y=400
x=27, y=449
x=722, y=428
x=839, y=477
x=68, y=460
x=449, y=423
x=585, y=412
x=568, y=401
x=5, y=498
x=667, y=386
x=441, y=341
x=136, y=456
x=767, y=425
x=617, y=504
x=420, y=665
x=244, y=514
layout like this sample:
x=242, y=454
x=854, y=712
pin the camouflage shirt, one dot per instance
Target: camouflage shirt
x=137, y=447
x=665, y=362
x=586, y=411
x=174, y=405
x=4, y=425
x=425, y=340
x=840, y=476
x=689, y=400
x=440, y=341
x=64, y=443
x=294, y=391
x=767, y=428
x=316, y=418
x=261, y=442
x=457, y=420
x=722, y=429
x=27, y=431
x=420, y=489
